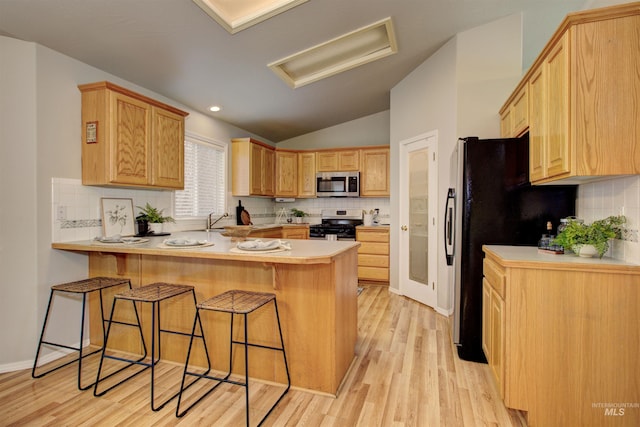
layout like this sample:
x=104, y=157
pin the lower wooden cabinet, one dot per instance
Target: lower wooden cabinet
x=561, y=334
x=493, y=320
x=373, y=254
x=295, y=231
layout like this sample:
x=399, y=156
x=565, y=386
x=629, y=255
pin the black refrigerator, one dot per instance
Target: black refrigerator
x=492, y=202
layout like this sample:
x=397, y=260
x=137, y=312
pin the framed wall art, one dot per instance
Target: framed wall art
x=117, y=217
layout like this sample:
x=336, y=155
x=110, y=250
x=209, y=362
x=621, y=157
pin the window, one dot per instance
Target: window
x=204, y=179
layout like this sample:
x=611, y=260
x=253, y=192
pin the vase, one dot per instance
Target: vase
x=299, y=220
x=585, y=251
x=156, y=227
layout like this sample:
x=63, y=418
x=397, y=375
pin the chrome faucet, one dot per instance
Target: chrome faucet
x=210, y=224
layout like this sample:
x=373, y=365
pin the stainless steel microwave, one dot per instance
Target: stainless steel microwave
x=338, y=184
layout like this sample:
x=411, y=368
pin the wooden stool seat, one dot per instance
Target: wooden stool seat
x=236, y=303
x=239, y=302
x=154, y=294
x=83, y=287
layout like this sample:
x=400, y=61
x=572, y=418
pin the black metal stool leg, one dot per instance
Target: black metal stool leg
x=104, y=350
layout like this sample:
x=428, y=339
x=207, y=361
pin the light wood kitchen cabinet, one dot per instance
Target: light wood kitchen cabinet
x=373, y=254
x=549, y=128
x=374, y=172
x=253, y=168
x=493, y=320
x=295, y=231
x=583, y=96
x=514, y=116
x=130, y=140
x=567, y=325
x=286, y=173
x=337, y=160
x=306, y=174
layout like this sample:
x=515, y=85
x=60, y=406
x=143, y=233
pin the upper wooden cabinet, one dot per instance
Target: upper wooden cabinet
x=514, y=116
x=583, y=94
x=337, y=160
x=130, y=140
x=374, y=172
x=253, y=168
x=286, y=173
x=306, y=174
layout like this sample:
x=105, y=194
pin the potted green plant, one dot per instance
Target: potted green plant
x=298, y=214
x=154, y=217
x=588, y=240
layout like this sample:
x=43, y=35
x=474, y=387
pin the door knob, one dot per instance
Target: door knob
x=404, y=228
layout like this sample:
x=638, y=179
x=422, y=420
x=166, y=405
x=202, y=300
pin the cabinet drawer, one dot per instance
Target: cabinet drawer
x=495, y=276
x=372, y=236
x=373, y=260
x=373, y=273
x=375, y=248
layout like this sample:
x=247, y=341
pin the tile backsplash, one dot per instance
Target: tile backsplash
x=619, y=196
x=75, y=208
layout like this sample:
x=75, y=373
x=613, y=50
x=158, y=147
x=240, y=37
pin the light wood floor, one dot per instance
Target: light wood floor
x=405, y=374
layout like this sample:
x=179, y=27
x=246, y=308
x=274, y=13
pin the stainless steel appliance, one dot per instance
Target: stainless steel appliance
x=492, y=203
x=338, y=184
x=339, y=222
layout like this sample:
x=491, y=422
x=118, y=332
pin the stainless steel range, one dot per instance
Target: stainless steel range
x=339, y=222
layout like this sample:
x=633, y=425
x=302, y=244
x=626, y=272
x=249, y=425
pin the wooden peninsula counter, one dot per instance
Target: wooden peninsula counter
x=315, y=284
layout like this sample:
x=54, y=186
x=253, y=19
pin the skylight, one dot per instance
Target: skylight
x=236, y=15
x=343, y=53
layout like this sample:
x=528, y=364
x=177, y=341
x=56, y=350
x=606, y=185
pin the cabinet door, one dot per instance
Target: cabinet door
x=348, y=160
x=327, y=161
x=306, y=174
x=497, y=340
x=557, y=120
x=537, y=162
x=286, y=174
x=268, y=172
x=130, y=140
x=167, y=167
x=520, y=112
x=486, y=319
x=255, y=169
x=505, y=123
x=374, y=173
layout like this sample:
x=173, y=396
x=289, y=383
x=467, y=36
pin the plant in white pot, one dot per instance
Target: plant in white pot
x=589, y=240
x=154, y=218
x=298, y=214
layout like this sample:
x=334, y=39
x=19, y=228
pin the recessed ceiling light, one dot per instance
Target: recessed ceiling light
x=236, y=15
x=343, y=53
x=214, y=108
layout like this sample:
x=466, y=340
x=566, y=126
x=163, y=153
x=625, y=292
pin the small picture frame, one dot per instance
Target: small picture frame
x=117, y=217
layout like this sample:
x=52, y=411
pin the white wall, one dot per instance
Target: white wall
x=40, y=141
x=369, y=130
x=457, y=92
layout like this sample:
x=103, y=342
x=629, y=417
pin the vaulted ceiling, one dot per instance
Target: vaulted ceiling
x=174, y=48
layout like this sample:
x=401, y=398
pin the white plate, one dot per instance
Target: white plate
x=183, y=242
x=257, y=245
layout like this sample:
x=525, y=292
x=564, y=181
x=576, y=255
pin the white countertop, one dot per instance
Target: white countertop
x=302, y=251
x=528, y=256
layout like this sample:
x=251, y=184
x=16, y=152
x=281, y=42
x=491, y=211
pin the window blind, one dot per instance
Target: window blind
x=204, y=179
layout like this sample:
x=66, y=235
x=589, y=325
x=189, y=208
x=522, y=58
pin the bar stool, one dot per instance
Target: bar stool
x=83, y=287
x=154, y=293
x=240, y=303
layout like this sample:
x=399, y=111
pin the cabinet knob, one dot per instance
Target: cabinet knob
x=404, y=228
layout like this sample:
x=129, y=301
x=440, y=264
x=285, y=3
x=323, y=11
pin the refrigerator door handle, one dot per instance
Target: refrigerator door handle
x=449, y=230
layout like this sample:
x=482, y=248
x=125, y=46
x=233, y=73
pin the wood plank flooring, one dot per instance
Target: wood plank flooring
x=406, y=373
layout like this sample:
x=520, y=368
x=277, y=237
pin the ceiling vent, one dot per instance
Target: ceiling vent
x=236, y=15
x=343, y=53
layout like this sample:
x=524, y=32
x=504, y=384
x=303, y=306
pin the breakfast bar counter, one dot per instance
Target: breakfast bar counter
x=315, y=283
